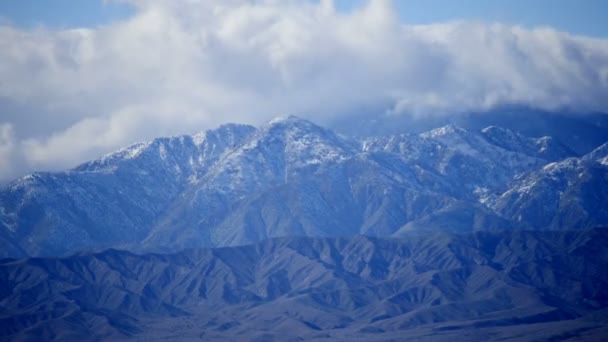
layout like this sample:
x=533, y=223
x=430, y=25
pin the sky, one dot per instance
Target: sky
x=587, y=17
x=81, y=78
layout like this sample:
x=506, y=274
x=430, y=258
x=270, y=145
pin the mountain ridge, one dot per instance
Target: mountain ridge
x=239, y=184
x=509, y=284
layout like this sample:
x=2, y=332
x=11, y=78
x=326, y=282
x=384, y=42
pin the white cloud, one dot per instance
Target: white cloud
x=9, y=163
x=183, y=66
x=6, y=144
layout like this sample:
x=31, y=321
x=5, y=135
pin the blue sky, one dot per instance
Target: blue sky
x=585, y=17
x=62, y=13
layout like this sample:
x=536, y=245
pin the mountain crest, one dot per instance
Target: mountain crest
x=238, y=183
x=279, y=150
x=600, y=155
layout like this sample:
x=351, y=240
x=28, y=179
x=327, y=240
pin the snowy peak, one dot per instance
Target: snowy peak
x=457, y=139
x=231, y=135
x=185, y=155
x=292, y=129
x=290, y=126
x=476, y=161
x=110, y=161
x=506, y=138
x=306, y=143
x=423, y=145
x=545, y=148
x=214, y=145
x=599, y=155
x=568, y=193
x=447, y=130
x=289, y=120
x=278, y=151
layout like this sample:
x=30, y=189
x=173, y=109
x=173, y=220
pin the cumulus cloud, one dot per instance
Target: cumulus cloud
x=183, y=66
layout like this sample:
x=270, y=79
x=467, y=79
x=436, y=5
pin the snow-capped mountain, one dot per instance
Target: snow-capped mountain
x=570, y=193
x=239, y=184
x=115, y=199
x=470, y=159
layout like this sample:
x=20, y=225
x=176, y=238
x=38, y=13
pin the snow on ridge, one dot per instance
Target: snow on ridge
x=285, y=118
x=199, y=138
x=129, y=152
x=561, y=165
x=8, y=220
x=136, y=150
x=278, y=119
x=442, y=131
x=452, y=137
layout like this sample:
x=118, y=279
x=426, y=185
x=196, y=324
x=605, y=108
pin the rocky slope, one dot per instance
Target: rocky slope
x=511, y=285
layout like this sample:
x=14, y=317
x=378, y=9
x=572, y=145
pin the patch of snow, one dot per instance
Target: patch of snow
x=525, y=189
x=482, y=194
x=133, y=150
x=550, y=166
x=199, y=138
x=439, y=132
x=24, y=180
x=450, y=137
x=366, y=145
x=278, y=119
x=129, y=152
x=7, y=218
x=162, y=152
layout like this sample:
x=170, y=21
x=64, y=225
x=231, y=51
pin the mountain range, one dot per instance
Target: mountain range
x=291, y=231
x=239, y=184
x=508, y=285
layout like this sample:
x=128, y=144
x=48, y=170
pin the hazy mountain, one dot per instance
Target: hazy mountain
x=580, y=132
x=511, y=285
x=239, y=184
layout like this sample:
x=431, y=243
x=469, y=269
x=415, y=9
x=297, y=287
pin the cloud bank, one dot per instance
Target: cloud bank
x=183, y=66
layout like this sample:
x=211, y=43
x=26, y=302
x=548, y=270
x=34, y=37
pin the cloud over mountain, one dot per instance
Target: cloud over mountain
x=68, y=95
